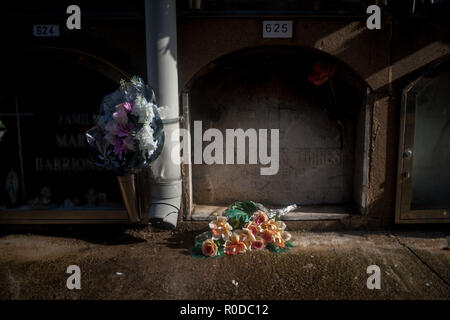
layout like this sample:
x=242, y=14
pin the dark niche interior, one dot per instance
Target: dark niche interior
x=321, y=128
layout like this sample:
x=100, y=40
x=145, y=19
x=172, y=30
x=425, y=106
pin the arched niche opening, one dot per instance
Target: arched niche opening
x=49, y=98
x=323, y=131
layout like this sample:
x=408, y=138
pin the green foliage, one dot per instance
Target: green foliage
x=275, y=248
x=289, y=244
x=247, y=206
x=220, y=252
x=237, y=218
x=240, y=213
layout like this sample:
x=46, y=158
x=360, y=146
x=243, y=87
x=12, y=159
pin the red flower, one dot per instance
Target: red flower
x=268, y=236
x=260, y=217
x=209, y=248
x=321, y=73
x=253, y=227
x=258, y=244
x=235, y=248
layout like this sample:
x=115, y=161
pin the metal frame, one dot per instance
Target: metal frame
x=368, y=117
x=187, y=167
x=403, y=211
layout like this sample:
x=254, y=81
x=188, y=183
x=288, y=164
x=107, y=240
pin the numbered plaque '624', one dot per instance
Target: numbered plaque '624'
x=46, y=30
x=277, y=29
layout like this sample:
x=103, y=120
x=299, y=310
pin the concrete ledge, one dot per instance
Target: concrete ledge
x=307, y=213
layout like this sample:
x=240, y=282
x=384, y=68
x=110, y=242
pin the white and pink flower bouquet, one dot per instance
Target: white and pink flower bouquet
x=244, y=226
x=129, y=132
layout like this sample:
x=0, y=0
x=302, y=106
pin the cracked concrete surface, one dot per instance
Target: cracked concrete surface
x=152, y=264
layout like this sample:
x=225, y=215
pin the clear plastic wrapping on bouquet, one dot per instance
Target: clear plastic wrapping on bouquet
x=129, y=131
x=271, y=213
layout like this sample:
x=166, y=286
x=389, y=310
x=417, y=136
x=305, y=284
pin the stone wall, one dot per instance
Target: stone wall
x=385, y=60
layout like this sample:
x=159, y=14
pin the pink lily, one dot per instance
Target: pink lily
x=128, y=106
x=120, y=116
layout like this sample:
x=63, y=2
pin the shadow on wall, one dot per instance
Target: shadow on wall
x=406, y=43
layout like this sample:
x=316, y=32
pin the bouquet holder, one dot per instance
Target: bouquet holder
x=128, y=190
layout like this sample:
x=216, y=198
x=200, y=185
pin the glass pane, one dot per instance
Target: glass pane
x=9, y=151
x=47, y=165
x=431, y=155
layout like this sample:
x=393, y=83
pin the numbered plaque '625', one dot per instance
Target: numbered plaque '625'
x=277, y=29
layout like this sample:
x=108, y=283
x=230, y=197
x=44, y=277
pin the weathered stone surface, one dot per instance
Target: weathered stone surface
x=364, y=51
x=158, y=265
x=270, y=90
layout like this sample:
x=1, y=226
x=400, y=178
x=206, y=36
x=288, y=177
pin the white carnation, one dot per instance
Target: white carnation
x=143, y=110
x=147, y=144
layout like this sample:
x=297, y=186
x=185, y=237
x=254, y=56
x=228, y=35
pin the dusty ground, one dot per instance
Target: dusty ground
x=151, y=264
